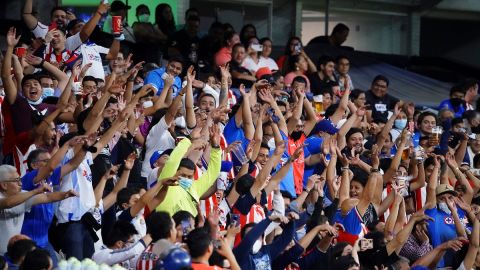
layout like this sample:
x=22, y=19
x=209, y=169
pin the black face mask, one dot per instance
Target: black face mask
x=296, y=135
x=476, y=129
x=456, y=102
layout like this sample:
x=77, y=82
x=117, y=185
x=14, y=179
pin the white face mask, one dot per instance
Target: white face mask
x=444, y=207
x=257, y=246
x=48, y=92
x=147, y=104
x=271, y=143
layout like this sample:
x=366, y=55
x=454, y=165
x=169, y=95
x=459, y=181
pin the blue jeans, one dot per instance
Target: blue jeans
x=77, y=241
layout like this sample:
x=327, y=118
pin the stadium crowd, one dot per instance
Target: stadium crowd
x=203, y=152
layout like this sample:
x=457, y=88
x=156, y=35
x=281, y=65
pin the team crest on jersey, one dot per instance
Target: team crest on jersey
x=449, y=220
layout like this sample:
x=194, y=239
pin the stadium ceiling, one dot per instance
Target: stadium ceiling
x=435, y=8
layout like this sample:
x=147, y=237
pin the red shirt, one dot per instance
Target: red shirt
x=298, y=164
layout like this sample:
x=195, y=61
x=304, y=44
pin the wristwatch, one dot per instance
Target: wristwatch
x=373, y=170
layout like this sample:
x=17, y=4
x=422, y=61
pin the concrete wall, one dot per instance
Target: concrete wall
x=368, y=32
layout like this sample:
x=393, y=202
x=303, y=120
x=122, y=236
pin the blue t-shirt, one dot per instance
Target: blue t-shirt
x=288, y=182
x=441, y=230
x=233, y=133
x=155, y=78
x=37, y=221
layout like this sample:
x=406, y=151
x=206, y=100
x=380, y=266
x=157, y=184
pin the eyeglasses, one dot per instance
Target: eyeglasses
x=16, y=179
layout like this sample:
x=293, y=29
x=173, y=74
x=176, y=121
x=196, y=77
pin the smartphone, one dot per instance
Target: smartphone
x=185, y=226
x=347, y=151
x=20, y=52
x=401, y=182
x=411, y=126
x=53, y=25
x=298, y=48
x=105, y=1
x=366, y=243
x=257, y=47
x=235, y=220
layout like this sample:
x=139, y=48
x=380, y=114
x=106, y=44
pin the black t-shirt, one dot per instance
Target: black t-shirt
x=185, y=44
x=234, y=66
x=317, y=85
x=380, y=105
x=319, y=40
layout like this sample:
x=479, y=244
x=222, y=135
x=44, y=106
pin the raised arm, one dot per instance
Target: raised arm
x=420, y=182
x=359, y=113
x=9, y=86
x=431, y=200
x=469, y=259
x=397, y=243
x=30, y=20
x=311, y=119
x=388, y=126
x=189, y=113
x=392, y=170
x=224, y=71
x=61, y=77
x=342, y=108
x=88, y=28
x=14, y=200
x=297, y=113
x=452, y=164
x=247, y=121
x=266, y=96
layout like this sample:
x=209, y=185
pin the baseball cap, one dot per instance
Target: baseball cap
x=157, y=154
x=325, y=126
x=262, y=72
x=445, y=188
x=72, y=24
x=118, y=5
x=176, y=259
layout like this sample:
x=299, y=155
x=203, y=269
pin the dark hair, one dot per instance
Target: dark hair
x=43, y=76
x=3, y=262
x=181, y=215
x=468, y=83
x=122, y=230
x=29, y=77
x=243, y=30
x=262, y=40
x=90, y=79
x=343, y=263
x=38, y=259
x=425, y=114
x=355, y=94
x=192, y=9
x=264, y=145
x=323, y=60
x=381, y=78
x=360, y=176
x=57, y=8
x=331, y=110
x=244, y=183
x=176, y=59
x=429, y=161
x=159, y=225
x=470, y=115
x=299, y=79
x=198, y=242
x=32, y=157
x=340, y=57
x=353, y=131
x=19, y=249
x=457, y=89
x=187, y=163
x=287, y=47
x=167, y=27
x=340, y=27
x=337, y=250
x=456, y=121
x=227, y=36
x=124, y=196
x=238, y=45
x=292, y=60
x=142, y=6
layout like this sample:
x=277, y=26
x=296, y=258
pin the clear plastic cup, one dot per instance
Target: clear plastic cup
x=238, y=151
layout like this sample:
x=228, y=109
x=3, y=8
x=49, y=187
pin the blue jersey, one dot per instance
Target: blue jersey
x=352, y=226
x=441, y=230
x=154, y=78
x=37, y=221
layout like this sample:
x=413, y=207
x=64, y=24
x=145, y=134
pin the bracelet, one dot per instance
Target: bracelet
x=373, y=170
x=345, y=168
x=98, y=12
x=41, y=63
x=215, y=146
x=306, y=190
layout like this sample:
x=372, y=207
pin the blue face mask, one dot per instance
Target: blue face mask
x=185, y=183
x=48, y=92
x=400, y=123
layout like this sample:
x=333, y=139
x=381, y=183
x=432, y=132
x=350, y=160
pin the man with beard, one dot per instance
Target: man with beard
x=58, y=15
x=298, y=130
x=378, y=98
x=321, y=79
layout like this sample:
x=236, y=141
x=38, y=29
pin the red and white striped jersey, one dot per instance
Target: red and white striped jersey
x=147, y=259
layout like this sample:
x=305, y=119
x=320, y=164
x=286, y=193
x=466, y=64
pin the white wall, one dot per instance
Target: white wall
x=368, y=32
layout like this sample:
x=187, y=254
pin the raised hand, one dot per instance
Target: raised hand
x=266, y=96
x=103, y=8
x=43, y=187
x=33, y=60
x=111, y=173
x=130, y=161
x=312, y=181
x=361, y=111
x=191, y=75
x=12, y=39
x=85, y=69
x=215, y=135
x=77, y=140
x=450, y=159
x=77, y=69
x=397, y=109
x=225, y=70
x=250, y=147
x=296, y=154
x=280, y=147
x=241, y=88
x=374, y=156
x=170, y=181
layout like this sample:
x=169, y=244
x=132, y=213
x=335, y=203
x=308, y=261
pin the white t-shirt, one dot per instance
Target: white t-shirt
x=249, y=64
x=40, y=31
x=126, y=257
x=91, y=54
x=152, y=178
x=267, y=62
x=11, y=221
x=159, y=138
x=80, y=180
